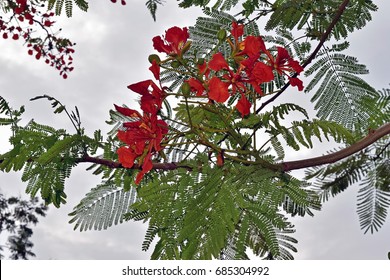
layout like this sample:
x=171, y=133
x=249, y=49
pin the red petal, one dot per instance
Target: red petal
x=218, y=90
x=203, y=69
x=163, y=126
x=126, y=157
x=160, y=46
x=262, y=73
x=140, y=87
x=218, y=62
x=127, y=112
x=157, y=92
x=295, y=66
x=243, y=106
x=296, y=82
x=146, y=167
x=196, y=85
x=139, y=177
x=282, y=57
x=253, y=45
x=237, y=30
x=149, y=104
x=155, y=69
x=177, y=37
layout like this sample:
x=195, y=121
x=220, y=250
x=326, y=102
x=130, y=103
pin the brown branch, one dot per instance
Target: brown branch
x=324, y=37
x=372, y=137
x=114, y=164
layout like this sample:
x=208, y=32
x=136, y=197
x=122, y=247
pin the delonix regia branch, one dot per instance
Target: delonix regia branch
x=372, y=137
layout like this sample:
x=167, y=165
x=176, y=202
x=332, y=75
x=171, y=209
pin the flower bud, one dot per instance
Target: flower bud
x=221, y=35
x=186, y=89
x=154, y=57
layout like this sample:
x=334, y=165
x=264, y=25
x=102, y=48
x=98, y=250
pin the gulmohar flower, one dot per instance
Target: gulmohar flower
x=142, y=138
x=174, y=43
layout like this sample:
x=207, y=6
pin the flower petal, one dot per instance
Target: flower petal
x=141, y=87
x=218, y=62
x=126, y=157
x=155, y=69
x=218, y=90
x=177, y=36
x=160, y=46
x=253, y=45
x=262, y=73
x=296, y=82
x=237, y=30
x=128, y=112
x=243, y=106
x=196, y=85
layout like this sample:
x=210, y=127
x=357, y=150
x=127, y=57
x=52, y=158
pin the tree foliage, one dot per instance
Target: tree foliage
x=211, y=187
x=16, y=217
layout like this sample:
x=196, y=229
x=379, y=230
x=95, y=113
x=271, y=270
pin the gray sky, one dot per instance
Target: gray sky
x=113, y=43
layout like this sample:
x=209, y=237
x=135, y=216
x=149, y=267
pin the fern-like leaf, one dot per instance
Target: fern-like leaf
x=338, y=97
x=102, y=207
x=317, y=18
x=58, y=6
x=373, y=202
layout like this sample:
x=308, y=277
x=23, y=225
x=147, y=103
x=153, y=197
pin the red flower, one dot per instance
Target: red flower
x=218, y=90
x=218, y=63
x=284, y=62
x=258, y=73
x=128, y=112
x=48, y=23
x=143, y=138
x=151, y=100
x=203, y=69
x=22, y=6
x=174, y=42
x=127, y=156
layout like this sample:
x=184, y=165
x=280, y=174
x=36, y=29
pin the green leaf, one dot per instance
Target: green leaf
x=59, y=147
x=339, y=96
x=59, y=4
x=102, y=207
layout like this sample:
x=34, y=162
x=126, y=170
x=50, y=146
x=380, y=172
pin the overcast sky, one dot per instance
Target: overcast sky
x=113, y=43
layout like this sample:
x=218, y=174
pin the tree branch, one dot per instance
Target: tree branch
x=372, y=137
x=114, y=164
x=324, y=37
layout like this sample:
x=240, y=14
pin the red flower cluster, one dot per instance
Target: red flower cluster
x=56, y=51
x=215, y=79
x=256, y=65
x=143, y=136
